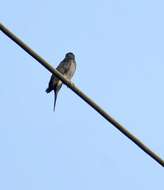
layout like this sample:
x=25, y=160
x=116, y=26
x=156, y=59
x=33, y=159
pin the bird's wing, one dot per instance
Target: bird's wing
x=52, y=81
x=63, y=67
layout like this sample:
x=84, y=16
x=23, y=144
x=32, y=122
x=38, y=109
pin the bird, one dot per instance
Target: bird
x=67, y=68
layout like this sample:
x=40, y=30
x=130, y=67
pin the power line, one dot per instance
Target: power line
x=87, y=99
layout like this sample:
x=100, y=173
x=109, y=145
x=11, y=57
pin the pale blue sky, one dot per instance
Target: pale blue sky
x=119, y=48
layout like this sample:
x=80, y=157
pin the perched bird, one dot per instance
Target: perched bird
x=66, y=67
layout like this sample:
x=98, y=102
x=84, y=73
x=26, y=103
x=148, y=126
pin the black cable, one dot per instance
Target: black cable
x=81, y=94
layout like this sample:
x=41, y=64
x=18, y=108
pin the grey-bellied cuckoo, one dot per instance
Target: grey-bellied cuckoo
x=66, y=67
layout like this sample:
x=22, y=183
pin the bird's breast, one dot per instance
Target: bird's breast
x=71, y=70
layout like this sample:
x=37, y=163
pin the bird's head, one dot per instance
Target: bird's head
x=70, y=55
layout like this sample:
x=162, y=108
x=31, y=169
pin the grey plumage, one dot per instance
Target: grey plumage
x=66, y=67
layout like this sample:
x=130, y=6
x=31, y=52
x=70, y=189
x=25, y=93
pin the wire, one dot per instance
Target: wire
x=87, y=99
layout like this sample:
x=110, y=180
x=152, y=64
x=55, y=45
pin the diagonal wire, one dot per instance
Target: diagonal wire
x=87, y=99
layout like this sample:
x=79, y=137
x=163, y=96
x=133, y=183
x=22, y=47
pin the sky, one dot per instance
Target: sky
x=119, y=47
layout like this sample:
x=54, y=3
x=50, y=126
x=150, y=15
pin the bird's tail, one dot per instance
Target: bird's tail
x=55, y=98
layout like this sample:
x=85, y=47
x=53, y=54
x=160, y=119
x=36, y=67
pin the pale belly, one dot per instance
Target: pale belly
x=71, y=71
